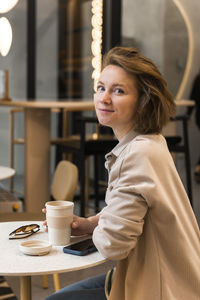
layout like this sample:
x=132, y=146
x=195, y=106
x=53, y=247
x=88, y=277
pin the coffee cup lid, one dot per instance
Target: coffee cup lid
x=35, y=247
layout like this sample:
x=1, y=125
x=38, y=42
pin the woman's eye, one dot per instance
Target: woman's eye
x=119, y=91
x=100, y=88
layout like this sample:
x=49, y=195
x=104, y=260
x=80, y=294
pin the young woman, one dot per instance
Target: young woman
x=147, y=225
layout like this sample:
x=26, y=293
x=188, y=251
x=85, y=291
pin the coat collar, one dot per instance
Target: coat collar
x=117, y=150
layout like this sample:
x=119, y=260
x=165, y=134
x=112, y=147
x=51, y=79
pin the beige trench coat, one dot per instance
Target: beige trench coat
x=148, y=225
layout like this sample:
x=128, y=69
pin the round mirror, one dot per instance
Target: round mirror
x=157, y=28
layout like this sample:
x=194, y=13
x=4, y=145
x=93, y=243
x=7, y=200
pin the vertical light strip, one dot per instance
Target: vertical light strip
x=96, y=46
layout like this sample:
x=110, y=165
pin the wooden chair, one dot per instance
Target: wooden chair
x=63, y=187
x=65, y=180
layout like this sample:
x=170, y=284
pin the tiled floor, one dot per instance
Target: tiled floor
x=37, y=290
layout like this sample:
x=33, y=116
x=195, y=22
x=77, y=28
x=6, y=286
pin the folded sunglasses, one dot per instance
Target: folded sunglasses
x=24, y=231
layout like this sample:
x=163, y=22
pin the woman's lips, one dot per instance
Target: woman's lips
x=105, y=110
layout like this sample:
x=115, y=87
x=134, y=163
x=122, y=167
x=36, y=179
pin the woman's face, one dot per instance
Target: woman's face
x=116, y=100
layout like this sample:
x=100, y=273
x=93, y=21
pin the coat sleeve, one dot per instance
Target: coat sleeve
x=121, y=221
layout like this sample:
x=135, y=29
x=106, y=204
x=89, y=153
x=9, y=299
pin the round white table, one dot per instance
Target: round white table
x=14, y=263
x=6, y=172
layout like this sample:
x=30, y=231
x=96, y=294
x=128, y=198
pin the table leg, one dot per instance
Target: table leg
x=37, y=158
x=25, y=288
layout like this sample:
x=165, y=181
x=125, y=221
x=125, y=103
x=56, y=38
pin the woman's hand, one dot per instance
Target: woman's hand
x=82, y=226
x=45, y=222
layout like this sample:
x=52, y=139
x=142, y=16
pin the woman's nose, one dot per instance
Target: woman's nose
x=106, y=98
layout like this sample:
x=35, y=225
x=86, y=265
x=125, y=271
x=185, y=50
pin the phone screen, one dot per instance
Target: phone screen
x=81, y=248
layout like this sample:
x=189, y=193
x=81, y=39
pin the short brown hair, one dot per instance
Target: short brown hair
x=155, y=103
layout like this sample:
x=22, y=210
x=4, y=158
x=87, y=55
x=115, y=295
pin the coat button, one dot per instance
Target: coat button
x=110, y=187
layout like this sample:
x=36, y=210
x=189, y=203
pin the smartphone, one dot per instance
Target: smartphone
x=81, y=248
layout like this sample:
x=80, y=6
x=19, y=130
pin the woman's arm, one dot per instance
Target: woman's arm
x=121, y=221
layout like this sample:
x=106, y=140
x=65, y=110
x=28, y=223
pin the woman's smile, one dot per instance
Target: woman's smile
x=104, y=110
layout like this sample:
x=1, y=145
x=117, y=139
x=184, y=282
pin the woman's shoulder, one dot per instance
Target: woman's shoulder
x=145, y=153
x=147, y=142
x=148, y=146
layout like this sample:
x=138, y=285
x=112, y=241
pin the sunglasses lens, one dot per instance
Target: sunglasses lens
x=19, y=229
x=31, y=227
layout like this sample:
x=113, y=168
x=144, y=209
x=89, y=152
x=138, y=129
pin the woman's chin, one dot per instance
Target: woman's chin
x=103, y=122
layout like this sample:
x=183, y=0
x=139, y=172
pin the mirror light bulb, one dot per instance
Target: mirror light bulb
x=5, y=36
x=6, y=5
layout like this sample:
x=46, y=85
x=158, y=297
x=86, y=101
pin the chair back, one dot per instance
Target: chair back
x=65, y=181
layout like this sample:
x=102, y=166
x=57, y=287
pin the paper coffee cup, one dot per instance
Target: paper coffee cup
x=59, y=215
